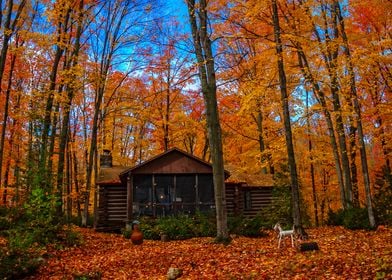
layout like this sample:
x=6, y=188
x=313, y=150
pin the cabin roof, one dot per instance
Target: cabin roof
x=251, y=179
x=109, y=175
x=172, y=161
x=178, y=161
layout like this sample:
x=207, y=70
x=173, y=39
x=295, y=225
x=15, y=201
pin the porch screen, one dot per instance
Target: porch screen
x=142, y=194
x=163, y=194
x=185, y=200
x=206, y=191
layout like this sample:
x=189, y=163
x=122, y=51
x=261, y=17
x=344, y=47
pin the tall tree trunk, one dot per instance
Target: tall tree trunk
x=330, y=56
x=68, y=186
x=357, y=109
x=310, y=149
x=259, y=122
x=52, y=143
x=8, y=30
x=287, y=122
x=305, y=68
x=64, y=134
x=4, y=126
x=76, y=179
x=91, y=155
x=62, y=27
x=198, y=19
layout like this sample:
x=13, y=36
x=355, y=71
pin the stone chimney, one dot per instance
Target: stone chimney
x=106, y=159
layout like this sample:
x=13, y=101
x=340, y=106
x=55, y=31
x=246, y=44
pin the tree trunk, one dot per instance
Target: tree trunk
x=64, y=134
x=62, y=27
x=287, y=124
x=310, y=149
x=259, y=122
x=330, y=56
x=303, y=63
x=198, y=19
x=357, y=109
x=4, y=126
x=8, y=29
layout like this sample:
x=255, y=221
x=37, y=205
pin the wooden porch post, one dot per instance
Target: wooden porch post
x=197, y=202
x=129, y=199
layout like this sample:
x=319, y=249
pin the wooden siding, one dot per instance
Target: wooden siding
x=112, y=207
x=173, y=163
x=260, y=197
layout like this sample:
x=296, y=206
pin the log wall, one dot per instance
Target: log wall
x=112, y=208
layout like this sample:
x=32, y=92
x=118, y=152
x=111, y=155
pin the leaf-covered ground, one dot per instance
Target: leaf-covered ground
x=343, y=254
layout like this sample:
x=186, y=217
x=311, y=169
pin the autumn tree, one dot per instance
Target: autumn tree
x=287, y=123
x=10, y=26
x=71, y=68
x=198, y=19
x=123, y=26
x=169, y=75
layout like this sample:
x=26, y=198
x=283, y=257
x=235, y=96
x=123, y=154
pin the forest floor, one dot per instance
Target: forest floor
x=343, y=254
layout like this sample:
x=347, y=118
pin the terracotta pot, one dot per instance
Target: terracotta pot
x=137, y=235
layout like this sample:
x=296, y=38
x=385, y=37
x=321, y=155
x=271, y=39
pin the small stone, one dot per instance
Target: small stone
x=174, y=273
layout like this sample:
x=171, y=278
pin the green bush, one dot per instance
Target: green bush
x=149, y=228
x=4, y=224
x=204, y=224
x=179, y=227
x=253, y=227
x=126, y=233
x=16, y=264
x=249, y=227
x=70, y=238
x=28, y=229
x=335, y=218
x=279, y=210
x=352, y=218
x=382, y=197
x=356, y=218
x=10, y=217
x=176, y=227
x=234, y=224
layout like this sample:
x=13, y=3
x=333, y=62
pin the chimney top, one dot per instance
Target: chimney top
x=106, y=159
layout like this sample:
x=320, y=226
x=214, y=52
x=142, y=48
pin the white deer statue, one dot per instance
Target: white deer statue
x=284, y=233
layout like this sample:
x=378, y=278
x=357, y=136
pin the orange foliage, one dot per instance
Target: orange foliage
x=343, y=254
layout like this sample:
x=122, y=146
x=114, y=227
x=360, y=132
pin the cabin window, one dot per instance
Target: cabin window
x=247, y=200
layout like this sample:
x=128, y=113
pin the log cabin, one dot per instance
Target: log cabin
x=170, y=183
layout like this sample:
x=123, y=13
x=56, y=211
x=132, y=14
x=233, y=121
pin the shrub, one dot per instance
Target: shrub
x=126, y=233
x=4, y=223
x=149, y=228
x=383, y=196
x=176, y=227
x=29, y=228
x=335, y=218
x=70, y=237
x=249, y=227
x=204, y=224
x=279, y=210
x=356, y=218
x=16, y=264
x=352, y=218
x=9, y=217
x=253, y=227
